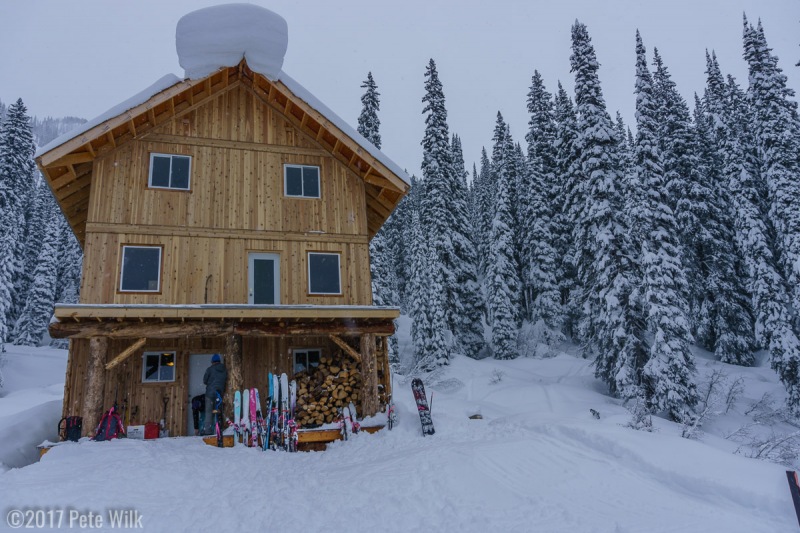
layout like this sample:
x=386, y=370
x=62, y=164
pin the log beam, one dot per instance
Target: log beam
x=233, y=363
x=170, y=330
x=346, y=347
x=369, y=376
x=125, y=353
x=95, y=380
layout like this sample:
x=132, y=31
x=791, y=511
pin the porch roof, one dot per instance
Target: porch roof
x=209, y=320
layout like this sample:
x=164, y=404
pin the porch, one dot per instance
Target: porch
x=146, y=359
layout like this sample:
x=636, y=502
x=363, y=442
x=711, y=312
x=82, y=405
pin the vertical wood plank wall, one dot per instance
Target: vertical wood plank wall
x=260, y=356
x=236, y=205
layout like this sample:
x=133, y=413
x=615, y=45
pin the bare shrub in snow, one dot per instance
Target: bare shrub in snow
x=496, y=377
x=712, y=393
x=641, y=418
x=781, y=448
x=734, y=391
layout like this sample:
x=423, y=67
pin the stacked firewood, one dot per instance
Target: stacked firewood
x=322, y=391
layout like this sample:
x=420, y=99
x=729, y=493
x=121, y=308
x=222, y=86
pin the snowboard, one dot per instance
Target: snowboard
x=245, y=421
x=418, y=389
x=237, y=415
x=293, y=437
x=259, y=422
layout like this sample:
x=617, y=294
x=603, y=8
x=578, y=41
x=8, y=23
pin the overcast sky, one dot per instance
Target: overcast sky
x=81, y=57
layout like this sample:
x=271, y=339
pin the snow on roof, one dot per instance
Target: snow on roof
x=219, y=37
x=139, y=98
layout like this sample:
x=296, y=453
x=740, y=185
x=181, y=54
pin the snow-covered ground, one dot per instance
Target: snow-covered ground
x=537, y=461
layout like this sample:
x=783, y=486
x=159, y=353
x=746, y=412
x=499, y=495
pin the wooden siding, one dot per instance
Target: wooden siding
x=235, y=205
x=198, y=270
x=260, y=356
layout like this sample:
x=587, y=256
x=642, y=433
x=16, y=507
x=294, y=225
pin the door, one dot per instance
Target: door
x=263, y=279
x=198, y=363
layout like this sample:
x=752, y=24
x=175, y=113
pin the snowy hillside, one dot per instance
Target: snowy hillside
x=537, y=461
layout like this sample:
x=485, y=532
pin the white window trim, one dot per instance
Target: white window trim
x=174, y=368
x=171, y=157
x=295, y=351
x=338, y=270
x=122, y=268
x=251, y=257
x=319, y=181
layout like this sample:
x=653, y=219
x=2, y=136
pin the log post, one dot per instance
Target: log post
x=369, y=376
x=233, y=363
x=95, y=381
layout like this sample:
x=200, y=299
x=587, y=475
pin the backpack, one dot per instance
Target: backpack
x=110, y=426
x=70, y=427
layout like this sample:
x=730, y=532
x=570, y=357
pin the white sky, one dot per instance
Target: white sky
x=82, y=57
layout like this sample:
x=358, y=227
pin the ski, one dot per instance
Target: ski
x=293, y=437
x=342, y=420
x=237, y=415
x=259, y=422
x=391, y=414
x=217, y=412
x=268, y=414
x=274, y=413
x=354, y=418
x=285, y=411
x=245, y=420
x=418, y=388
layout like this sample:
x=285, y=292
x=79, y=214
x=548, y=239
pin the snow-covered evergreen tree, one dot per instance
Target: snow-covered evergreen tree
x=426, y=294
x=467, y=298
x=613, y=326
x=669, y=372
x=16, y=181
x=484, y=192
x=568, y=202
x=778, y=143
x=32, y=322
x=537, y=206
x=502, y=282
x=368, y=122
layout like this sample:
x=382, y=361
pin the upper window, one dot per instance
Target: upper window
x=158, y=366
x=323, y=274
x=301, y=181
x=306, y=359
x=170, y=171
x=141, y=269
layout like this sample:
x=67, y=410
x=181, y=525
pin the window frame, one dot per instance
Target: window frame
x=150, y=185
x=298, y=351
x=123, y=247
x=160, y=354
x=339, y=271
x=286, y=166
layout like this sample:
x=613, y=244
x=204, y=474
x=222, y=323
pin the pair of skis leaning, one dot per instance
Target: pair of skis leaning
x=273, y=428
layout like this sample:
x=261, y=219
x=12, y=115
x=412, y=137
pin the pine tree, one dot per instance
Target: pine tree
x=484, y=191
x=437, y=170
x=776, y=136
x=32, y=322
x=368, y=122
x=468, y=305
x=669, y=372
x=16, y=181
x=536, y=213
x=569, y=201
x=426, y=303
x=612, y=327
x=502, y=283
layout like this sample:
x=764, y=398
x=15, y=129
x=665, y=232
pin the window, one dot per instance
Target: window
x=170, y=171
x=158, y=367
x=306, y=359
x=323, y=274
x=301, y=181
x=141, y=269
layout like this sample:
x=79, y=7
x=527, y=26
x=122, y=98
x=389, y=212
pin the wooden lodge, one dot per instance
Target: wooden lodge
x=219, y=215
